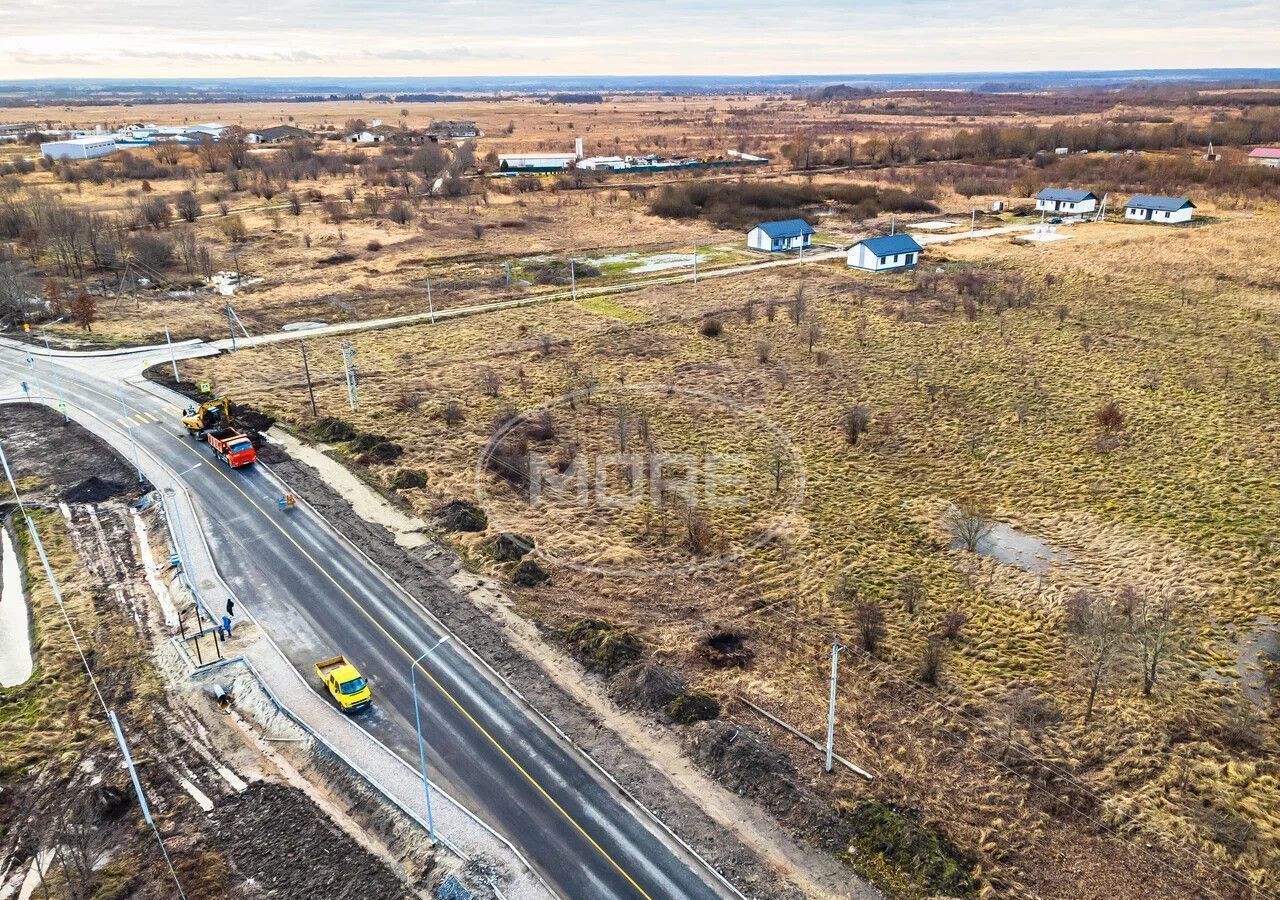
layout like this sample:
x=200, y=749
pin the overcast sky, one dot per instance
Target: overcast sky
x=173, y=38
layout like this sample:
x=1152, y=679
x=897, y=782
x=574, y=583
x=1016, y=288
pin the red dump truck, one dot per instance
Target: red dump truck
x=232, y=447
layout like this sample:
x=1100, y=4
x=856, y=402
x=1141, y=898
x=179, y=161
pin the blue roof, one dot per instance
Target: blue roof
x=1068, y=195
x=1153, y=201
x=891, y=244
x=786, y=228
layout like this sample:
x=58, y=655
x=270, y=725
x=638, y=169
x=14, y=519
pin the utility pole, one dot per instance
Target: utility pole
x=695, y=263
x=57, y=382
x=831, y=703
x=306, y=370
x=973, y=219
x=431, y=306
x=422, y=743
x=893, y=224
x=128, y=426
x=349, y=366
x=573, y=280
x=172, y=359
x=231, y=326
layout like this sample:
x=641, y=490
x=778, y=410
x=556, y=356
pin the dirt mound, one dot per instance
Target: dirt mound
x=461, y=515
x=648, y=686
x=252, y=419
x=746, y=763
x=94, y=490
x=511, y=547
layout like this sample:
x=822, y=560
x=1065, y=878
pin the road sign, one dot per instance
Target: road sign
x=205, y=387
x=62, y=406
x=26, y=326
x=26, y=388
x=31, y=363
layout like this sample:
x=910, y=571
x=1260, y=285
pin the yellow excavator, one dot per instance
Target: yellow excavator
x=208, y=416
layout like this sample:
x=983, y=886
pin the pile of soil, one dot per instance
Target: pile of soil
x=93, y=490
x=461, y=515
x=749, y=765
x=647, y=686
x=268, y=829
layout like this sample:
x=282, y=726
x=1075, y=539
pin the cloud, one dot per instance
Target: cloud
x=445, y=54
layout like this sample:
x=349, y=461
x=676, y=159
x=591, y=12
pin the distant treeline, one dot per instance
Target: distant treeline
x=576, y=98
x=741, y=205
x=811, y=149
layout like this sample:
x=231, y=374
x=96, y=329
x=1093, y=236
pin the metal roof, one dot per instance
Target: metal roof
x=1068, y=195
x=1265, y=153
x=1151, y=201
x=890, y=245
x=786, y=228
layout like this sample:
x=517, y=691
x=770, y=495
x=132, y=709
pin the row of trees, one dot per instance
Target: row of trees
x=812, y=147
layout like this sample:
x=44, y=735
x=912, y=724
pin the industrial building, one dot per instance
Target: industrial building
x=882, y=254
x=775, y=237
x=1066, y=201
x=1153, y=208
x=80, y=148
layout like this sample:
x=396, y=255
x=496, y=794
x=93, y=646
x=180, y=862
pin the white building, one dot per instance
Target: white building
x=535, y=162
x=1165, y=210
x=1066, y=201
x=881, y=254
x=79, y=148
x=774, y=237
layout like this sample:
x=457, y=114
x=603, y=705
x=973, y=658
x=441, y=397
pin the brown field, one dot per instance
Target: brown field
x=1111, y=396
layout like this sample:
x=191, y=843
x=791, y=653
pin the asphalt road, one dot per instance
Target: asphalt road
x=316, y=596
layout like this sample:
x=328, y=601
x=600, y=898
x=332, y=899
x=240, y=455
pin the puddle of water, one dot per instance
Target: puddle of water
x=15, y=628
x=658, y=262
x=1008, y=545
x=1253, y=646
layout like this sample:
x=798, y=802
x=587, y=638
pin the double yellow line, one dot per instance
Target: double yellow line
x=443, y=690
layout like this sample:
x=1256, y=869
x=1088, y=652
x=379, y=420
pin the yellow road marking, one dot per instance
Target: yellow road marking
x=440, y=687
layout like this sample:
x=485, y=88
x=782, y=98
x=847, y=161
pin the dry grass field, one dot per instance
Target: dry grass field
x=1096, y=414
x=1001, y=412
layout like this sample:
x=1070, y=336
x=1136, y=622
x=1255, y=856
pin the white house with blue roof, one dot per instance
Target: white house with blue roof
x=1066, y=201
x=1153, y=208
x=880, y=254
x=774, y=237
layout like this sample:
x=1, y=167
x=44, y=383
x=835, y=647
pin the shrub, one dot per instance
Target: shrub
x=897, y=835
x=408, y=479
x=694, y=707
x=711, y=328
x=373, y=246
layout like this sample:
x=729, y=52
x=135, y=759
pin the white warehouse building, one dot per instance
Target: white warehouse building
x=79, y=148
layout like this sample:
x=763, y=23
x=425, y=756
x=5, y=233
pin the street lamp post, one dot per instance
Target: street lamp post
x=422, y=745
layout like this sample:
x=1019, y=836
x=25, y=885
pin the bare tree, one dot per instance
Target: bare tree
x=868, y=619
x=188, y=206
x=969, y=524
x=854, y=423
x=931, y=660
x=910, y=591
x=1095, y=646
x=1154, y=621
